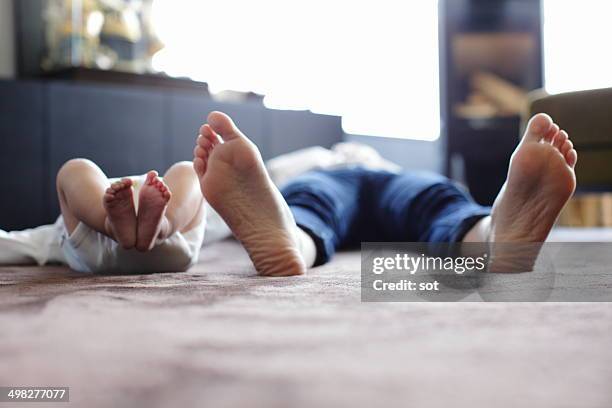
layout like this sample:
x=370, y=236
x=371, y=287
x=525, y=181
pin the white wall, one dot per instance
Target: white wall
x=7, y=46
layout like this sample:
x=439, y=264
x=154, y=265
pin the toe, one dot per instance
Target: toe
x=538, y=126
x=108, y=197
x=200, y=152
x=204, y=142
x=552, y=133
x=209, y=135
x=571, y=157
x=151, y=176
x=205, y=129
x=560, y=139
x=199, y=166
x=201, y=140
x=223, y=125
x=567, y=146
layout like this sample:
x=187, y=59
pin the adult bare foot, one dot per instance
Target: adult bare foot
x=235, y=182
x=152, y=203
x=120, y=221
x=540, y=180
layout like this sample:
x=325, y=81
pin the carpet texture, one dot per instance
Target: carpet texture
x=219, y=336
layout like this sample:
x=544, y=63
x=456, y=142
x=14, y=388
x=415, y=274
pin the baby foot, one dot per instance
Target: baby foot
x=234, y=180
x=152, y=204
x=540, y=180
x=120, y=214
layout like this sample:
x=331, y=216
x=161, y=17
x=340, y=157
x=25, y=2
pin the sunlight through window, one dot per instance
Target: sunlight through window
x=373, y=63
x=576, y=41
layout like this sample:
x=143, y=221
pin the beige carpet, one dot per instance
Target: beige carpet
x=218, y=336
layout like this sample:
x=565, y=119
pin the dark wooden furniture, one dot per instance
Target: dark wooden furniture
x=585, y=115
x=126, y=130
x=499, y=37
x=158, y=81
x=24, y=158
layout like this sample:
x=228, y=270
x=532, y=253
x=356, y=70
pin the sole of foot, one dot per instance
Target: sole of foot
x=121, y=221
x=541, y=179
x=234, y=180
x=152, y=204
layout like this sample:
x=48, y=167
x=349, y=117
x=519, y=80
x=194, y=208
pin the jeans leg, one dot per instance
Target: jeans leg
x=325, y=204
x=344, y=207
x=424, y=207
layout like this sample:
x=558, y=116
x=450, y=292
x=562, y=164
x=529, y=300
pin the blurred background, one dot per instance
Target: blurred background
x=444, y=86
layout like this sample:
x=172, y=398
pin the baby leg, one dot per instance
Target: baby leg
x=186, y=208
x=85, y=195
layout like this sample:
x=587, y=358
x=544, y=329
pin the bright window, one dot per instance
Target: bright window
x=375, y=63
x=577, y=38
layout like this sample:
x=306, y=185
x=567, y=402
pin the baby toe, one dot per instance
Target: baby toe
x=151, y=176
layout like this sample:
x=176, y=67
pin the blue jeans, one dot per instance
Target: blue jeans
x=343, y=207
